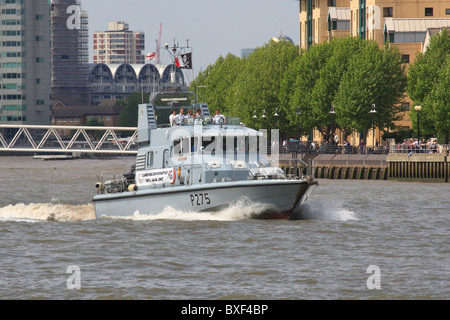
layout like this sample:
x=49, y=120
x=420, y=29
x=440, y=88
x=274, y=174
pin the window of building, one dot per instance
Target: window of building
x=332, y=25
x=13, y=118
x=389, y=37
x=405, y=58
x=10, y=86
x=447, y=11
x=406, y=106
x=388, y=12
x=428, y=12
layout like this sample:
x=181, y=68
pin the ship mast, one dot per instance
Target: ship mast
x=158, y=47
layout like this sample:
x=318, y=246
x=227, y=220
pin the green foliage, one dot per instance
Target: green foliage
x=428, y=86
x=349, y=73
x=327, y=86
x=439, y=102
x=241, y=87
x=299, y=82
x=215, y=85
x=129, y=115
x=258, y=84
x=374, y=76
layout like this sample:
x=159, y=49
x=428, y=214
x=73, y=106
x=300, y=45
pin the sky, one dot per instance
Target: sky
x=214, y=27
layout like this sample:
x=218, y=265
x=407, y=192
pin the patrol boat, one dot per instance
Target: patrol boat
x=204, y=164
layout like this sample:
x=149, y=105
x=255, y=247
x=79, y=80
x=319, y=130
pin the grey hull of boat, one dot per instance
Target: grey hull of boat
x=276, y=199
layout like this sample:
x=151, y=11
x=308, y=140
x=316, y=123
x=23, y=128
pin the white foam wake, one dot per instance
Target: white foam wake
x=47, y=212
x=241, y=210
x=324, y=211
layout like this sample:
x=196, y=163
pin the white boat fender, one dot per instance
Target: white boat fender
x=132, y=187
x=100, y=186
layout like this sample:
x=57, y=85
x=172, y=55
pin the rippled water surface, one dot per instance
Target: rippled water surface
x=47, y=226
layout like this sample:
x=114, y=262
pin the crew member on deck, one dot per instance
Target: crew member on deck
x=172, y=118
x=218, y=116
x=180, y=118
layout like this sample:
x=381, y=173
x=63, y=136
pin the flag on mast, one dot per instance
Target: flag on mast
x=185, y=62
x=150, y=56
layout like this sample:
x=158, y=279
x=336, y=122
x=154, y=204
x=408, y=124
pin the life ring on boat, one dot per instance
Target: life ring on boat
x=173, y=176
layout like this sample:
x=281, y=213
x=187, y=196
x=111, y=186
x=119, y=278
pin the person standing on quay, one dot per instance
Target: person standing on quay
x=362, y=146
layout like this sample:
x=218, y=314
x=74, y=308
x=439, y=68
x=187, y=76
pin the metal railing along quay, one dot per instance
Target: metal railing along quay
x=437, y=149
x=332, y=149
x=394, y=163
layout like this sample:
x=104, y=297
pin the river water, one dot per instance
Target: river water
x=351, y=240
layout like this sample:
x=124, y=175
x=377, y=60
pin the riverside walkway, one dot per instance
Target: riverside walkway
x=426, y=167
x=339, y=163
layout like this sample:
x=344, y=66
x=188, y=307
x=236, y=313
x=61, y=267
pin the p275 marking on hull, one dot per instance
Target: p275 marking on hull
x=200, y=199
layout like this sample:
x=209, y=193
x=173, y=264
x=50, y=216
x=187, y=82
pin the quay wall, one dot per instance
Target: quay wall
x=418, y=166
x=393, y=166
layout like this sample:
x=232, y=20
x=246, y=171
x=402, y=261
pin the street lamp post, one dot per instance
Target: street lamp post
x=264, y=118
x=298, y=122
x=333, y=114
x=275, y=139
x=276, y=118
x=373, y=112
x=418, y=109
x=254, y=120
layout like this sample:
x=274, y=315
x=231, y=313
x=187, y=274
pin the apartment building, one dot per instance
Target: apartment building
x=314, y=20
x=396, y=21
x=405, y=24
x=70, y=52
x=119, y=45
x=25, y=57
